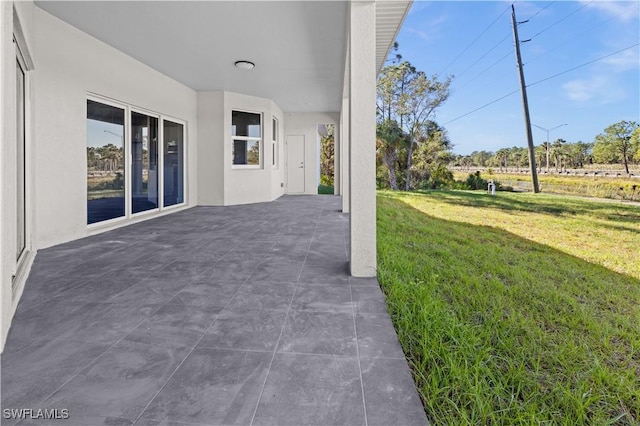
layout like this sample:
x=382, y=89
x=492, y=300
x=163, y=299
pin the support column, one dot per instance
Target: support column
x=337, y=143
x=7, y=68
x=345, y=142
x=362, y=155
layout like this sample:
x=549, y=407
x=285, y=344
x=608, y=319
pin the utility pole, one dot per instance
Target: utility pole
x=525, y=104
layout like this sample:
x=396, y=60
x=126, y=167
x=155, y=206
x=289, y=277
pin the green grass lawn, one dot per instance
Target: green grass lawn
x=325, y=190
x=515, y=309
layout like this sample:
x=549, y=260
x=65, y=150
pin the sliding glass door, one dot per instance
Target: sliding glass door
x=105, y=162
x=21, y=223
x=150, y=148
x=173, y=135
x=144, y=162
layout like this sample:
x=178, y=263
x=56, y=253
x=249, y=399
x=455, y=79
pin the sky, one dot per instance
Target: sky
x=473, y=41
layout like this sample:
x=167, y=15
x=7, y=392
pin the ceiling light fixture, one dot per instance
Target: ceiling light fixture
x=245, y=65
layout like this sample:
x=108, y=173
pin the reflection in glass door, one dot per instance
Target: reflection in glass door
x=20, y=166
x=173, y=137
x=105, y=162
x=144, y=162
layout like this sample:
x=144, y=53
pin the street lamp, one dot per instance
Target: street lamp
x=548, y=140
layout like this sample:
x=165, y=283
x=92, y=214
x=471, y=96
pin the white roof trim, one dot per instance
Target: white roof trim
x=390, y=15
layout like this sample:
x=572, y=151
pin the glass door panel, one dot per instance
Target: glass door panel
x=173, y=135
x=105, y=162
x=21, y=224
x=144, y=162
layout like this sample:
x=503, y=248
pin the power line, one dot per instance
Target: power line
x=483, y=106
x=474, y=40
x=557, y=46
x=562, y=19
x=541, y=10
x=483, y=56
x=542, y=80
x=486, y=69
x=583, y=65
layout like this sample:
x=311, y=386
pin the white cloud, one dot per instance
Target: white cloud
x=622, y=10
x=419, y=6
x=597, y=89
x=434, y=25
x=626, y=60
x=423, y=35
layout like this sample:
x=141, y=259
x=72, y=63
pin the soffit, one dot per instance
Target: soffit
x=298, y=46
x=389, y=17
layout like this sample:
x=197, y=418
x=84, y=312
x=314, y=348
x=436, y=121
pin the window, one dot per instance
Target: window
x=152, y=153
x=144, y=162
x=105, y=162
x=21, y=161
x=246, y=132
x=274, y=143
x=173, y=163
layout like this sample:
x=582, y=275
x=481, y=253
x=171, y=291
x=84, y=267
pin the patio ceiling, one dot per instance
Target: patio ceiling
x=298, y=46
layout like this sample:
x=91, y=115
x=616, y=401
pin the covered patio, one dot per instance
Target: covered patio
x=238, y=315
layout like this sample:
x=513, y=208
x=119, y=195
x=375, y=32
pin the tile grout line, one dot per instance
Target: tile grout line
x=355, y=329
x=275, y=349
x=187, y=355
x=80, y=370
x=93, y=361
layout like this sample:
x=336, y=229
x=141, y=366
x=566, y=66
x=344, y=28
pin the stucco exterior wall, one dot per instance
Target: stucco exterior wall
x=219, y=182
x=278, y=173
x=7, y=261
x=211, y=148
x=307, y=124
x=244, y=186
x=13, y=274
x=71, y=65
x=362, y=151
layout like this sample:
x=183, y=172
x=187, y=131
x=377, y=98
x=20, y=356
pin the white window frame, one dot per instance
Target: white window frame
x=249, y=139
x=127, y=162
x=185, y=186
x=130, y=160
x=128, y=109
x=23, y=58
x=275, y=133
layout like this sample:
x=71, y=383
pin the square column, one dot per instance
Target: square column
x=344, y=155
x=362, y=140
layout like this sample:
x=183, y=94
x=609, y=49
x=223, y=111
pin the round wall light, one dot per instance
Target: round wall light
x=245, y=65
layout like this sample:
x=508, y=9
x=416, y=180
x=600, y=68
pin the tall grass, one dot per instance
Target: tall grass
x=503, y=317
x=620, y=188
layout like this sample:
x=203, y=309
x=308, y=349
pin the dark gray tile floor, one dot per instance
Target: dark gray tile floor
x=242, y=315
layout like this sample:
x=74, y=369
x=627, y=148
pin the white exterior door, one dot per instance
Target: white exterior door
x=295, y=164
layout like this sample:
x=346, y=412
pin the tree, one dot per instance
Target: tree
x=541, y=153
x=481, y=158
x=616, y=144
x=389, y=141
x=502, y=155
x=409, y=97
x=557, y=150
x=547, y=150
x=431, y=156
x=518, y=156
x=327, y=155
x=578, y=154
x=635, y=144
x=423, y=97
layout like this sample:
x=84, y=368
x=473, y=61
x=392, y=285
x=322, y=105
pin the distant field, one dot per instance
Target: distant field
x=621, y=188
x=515, y=309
